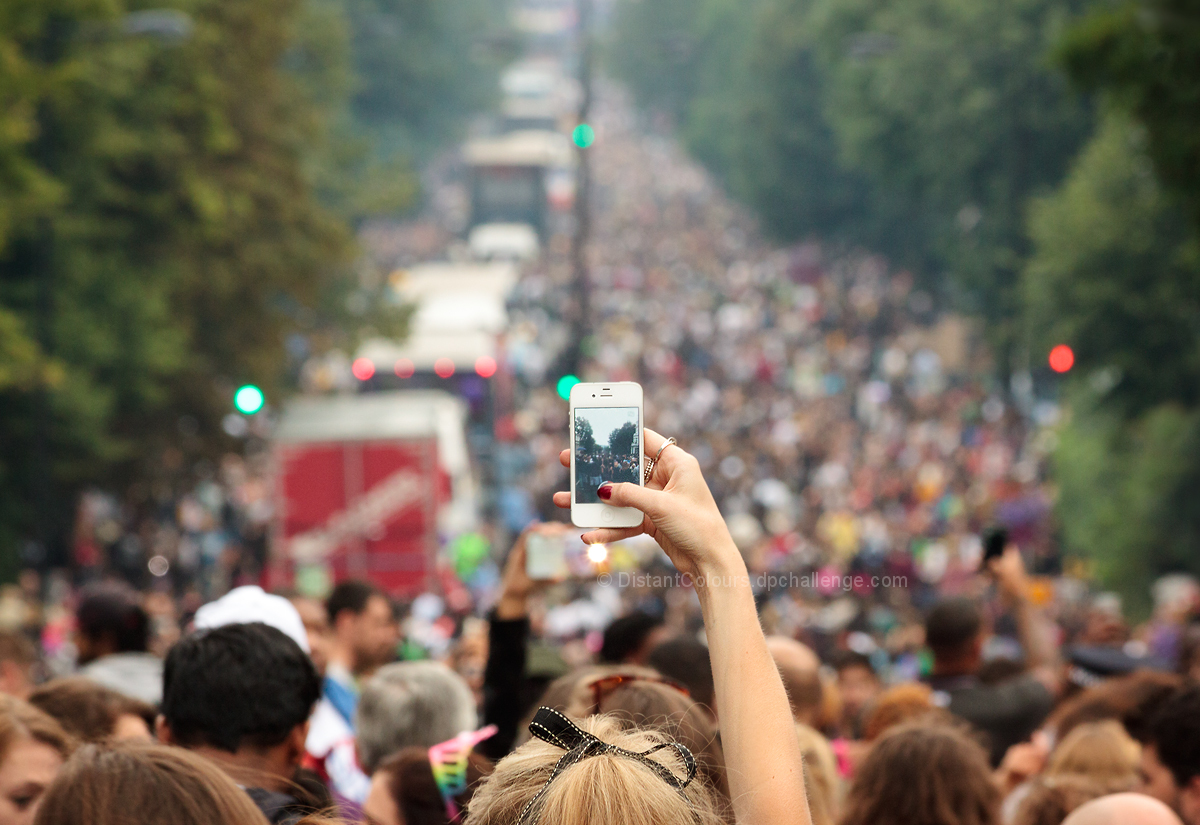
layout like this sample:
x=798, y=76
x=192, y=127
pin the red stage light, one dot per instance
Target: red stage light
x=1061, y=358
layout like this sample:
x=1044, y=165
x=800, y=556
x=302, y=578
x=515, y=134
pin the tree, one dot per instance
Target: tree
x=620, y=440
x=1145, y=56
x=1115, y=273
x=585, y=439
x=957, y=116
x=176, y=229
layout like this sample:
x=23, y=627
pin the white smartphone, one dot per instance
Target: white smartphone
x=606, y=445
x=546, y=557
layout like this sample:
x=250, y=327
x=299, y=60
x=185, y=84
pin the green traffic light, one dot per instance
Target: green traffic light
x=584, y=136
x=564, y=386
x=248, y=399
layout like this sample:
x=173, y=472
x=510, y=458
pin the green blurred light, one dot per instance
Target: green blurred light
x=584, y=136
x=248, y=399
x=564, y=386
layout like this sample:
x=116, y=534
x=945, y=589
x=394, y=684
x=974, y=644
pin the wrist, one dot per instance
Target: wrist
x=512, y=606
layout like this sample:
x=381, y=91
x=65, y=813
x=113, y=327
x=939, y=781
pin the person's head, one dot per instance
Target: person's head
x=92, y=712
x=1132, y=700
x=18, y=655
x=931, y=774
x=404, y=791
x=1050, y=799
x=685, y=659
x=638, y=702
x=33, y=747
x=857, y=683
x=316, y=625
x=144, y=784
x=110, y=619
x=1122, y=809
x=800, y=670
x=821, y=781
x=625, y=789
x=896, y=705
x=954, y=632
x=629, y=639
x=1101, y=751
x=1170, y=765
x=411, y=704
x=363, y=625
x=241, y=694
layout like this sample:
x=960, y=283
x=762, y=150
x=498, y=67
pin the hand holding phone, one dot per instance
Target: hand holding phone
x=606, y=447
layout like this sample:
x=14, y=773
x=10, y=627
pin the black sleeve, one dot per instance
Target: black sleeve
x=502, y=682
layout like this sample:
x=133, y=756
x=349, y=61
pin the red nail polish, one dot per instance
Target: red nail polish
x=605, y=491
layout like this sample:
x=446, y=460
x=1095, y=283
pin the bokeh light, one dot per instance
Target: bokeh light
x=584, y=136
x=444, y=367
x=362, y=368
x=404, y=368
x=248, y=399
x=597, y=553
x=565, y=384
x=1062, y=358
x=485, y=366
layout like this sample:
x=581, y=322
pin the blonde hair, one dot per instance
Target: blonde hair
x=1101, y=751
x=821, y=781
x=606, y=789
x=648, y=705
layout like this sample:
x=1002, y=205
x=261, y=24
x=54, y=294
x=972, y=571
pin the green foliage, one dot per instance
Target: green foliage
x=173, y=212
x=1116, y=275
x=620, y=440
x=585, y=437
x=1145, y=56
x=423, y=67
x=1129, y=495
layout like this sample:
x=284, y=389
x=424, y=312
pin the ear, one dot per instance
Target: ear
x=163, y=731
x=295, y=743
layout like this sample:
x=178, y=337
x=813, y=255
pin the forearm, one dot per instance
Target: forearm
x=1035, y=635
x=762, y=752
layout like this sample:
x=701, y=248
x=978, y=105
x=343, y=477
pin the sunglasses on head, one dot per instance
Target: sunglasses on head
x=603, y=686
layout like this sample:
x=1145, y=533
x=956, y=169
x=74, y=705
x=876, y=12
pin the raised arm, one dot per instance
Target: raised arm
x=762, y=753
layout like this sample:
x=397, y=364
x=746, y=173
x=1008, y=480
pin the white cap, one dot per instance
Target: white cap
x=250, y=603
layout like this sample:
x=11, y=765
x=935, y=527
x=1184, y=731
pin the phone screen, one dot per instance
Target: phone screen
x=608, y=447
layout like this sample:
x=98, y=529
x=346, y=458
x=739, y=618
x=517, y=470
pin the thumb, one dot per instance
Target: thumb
x=626, y=494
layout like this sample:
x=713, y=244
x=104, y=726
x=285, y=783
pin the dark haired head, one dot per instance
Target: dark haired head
x=1174, y=731
x=685, y=659
x=111, y=619
x=952, y=628
x=241, y=684
x=625, y=637
x=350, y=595
x=847, y=659
x=88, y=710
x=923, y=772
x=410, y=781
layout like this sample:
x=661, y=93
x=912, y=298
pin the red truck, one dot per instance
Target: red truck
x=367, y=486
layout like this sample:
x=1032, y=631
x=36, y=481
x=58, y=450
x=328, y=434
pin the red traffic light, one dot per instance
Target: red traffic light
x=1061, y=358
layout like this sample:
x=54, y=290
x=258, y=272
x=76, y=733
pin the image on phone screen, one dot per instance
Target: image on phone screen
x=608, y=446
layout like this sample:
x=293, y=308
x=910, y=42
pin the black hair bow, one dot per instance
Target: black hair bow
x=551, y=726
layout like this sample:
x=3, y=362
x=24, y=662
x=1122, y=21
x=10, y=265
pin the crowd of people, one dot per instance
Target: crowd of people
x=282, y=708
